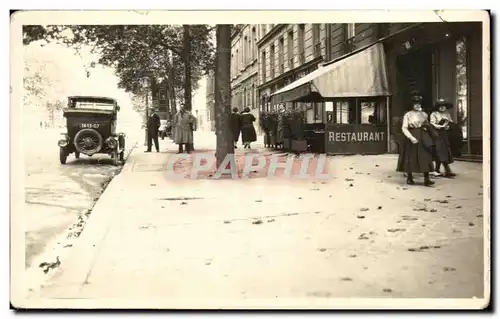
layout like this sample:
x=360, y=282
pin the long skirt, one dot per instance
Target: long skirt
x=415, y=158
x=248, y=133
x=442, y=149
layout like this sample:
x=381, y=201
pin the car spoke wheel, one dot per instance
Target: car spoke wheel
x=88, y=141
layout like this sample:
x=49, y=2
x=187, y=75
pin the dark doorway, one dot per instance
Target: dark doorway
x=415, y=70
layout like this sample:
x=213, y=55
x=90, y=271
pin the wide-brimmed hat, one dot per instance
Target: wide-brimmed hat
x=443, y=102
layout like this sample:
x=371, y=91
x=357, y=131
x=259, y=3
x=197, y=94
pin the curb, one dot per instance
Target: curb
x=79, y=246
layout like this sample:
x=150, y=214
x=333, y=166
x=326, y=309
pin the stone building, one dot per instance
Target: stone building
x=441, y=60
x=244, y=63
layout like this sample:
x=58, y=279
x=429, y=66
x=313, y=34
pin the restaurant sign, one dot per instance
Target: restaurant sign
x=356, y=139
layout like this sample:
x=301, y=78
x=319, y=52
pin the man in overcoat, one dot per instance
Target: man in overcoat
x=184, y=125
x=153, y=124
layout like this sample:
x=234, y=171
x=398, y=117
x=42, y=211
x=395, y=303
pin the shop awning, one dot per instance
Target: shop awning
x=358, y=75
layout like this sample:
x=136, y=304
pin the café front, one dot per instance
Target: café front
x=348, y=101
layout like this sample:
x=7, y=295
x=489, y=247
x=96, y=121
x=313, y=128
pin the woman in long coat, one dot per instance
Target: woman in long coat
x=441, y=120
x=235, y=126
x=248, y=134
x=184, y=125
x=415, y=155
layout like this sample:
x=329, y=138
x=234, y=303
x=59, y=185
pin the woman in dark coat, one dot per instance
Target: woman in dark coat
x=441, y=120
x=415, y=154
x=235, y=125
x=248, y=134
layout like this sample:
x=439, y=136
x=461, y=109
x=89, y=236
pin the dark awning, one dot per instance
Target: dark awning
x=361, y=74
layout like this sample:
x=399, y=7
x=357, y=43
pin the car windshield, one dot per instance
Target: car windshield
x=94, y=105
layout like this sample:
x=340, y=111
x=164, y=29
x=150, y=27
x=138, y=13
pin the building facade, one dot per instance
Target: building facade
x=441, y=60
x=244, y=68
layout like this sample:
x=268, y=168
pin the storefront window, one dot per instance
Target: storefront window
x=342, y=111
x=373, y=112
x=461, y=68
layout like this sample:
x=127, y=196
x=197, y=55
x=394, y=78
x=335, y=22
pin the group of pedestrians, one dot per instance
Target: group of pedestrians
x=183, y=126
x=243, y=123
x=425, y=142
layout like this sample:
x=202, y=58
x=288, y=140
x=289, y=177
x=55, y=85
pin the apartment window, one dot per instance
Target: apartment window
x=253, y=43
x=290, y=49
x=233, y=62
x=263, y=67
x=301, y=35
x=253, y=97
x=245, y=51
x=316, y=39
x=271, y=62
x=351, y=30
x=281, y=55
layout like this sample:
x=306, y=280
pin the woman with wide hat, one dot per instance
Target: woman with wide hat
x=441, y=120
x=415, y=155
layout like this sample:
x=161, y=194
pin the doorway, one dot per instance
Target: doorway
x=415, y=71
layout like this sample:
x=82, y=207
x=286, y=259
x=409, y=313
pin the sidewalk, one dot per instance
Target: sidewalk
x=227, y=243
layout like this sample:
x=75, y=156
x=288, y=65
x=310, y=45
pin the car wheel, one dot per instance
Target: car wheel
x=77, y=154
x=114, y=156
x=62, y=155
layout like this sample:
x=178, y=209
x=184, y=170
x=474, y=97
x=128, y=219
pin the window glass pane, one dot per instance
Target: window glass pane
x=329, y=106
x=318, y=112
x=368, y=115
x=342, y=112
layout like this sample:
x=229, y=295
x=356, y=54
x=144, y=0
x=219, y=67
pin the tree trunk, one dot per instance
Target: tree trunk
x=171, y=85
x=223, y=93
x=187, y=67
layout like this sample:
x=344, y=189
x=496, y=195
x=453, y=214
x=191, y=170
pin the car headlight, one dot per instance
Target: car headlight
x=62, y=143
x=111, y=142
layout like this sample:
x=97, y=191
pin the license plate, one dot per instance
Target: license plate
x=88, y=125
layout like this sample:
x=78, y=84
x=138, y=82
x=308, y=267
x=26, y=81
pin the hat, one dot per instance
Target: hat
x=416, y=96
x=443, y=102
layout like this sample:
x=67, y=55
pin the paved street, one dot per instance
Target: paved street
x=215, y=243
x=58, y=197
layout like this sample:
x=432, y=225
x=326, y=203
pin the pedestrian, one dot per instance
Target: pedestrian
x=248, y=134
x=415, y=155
x=184, y=125
x=441, y=120
x=152, y=126
x=235, y=126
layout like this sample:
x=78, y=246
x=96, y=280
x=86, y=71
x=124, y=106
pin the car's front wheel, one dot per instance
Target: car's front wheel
x=62, y=155
x=114, y=157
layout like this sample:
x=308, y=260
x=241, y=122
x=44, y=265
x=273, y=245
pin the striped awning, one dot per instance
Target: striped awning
x=361, y=74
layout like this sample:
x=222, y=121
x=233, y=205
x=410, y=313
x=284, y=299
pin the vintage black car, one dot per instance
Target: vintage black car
x=91, y=128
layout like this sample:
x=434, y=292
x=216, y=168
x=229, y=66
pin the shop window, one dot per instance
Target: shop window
x=372, y=112
x=345, y=112
x=462, y=92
